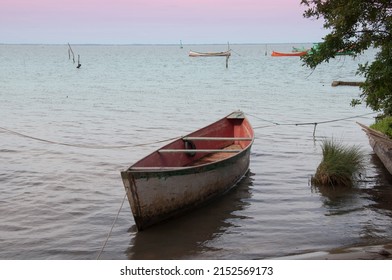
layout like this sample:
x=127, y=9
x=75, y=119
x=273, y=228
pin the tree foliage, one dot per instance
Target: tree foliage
x=357, y=25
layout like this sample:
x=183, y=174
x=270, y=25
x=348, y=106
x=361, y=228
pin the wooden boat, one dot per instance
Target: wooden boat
x=346, y=83
x=301, y=49
x=381, y=145
x=196, y=54
x=316, y=48
x=274, y=53
x=189, y=171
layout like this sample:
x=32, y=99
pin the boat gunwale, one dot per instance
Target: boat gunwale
x=183, y=170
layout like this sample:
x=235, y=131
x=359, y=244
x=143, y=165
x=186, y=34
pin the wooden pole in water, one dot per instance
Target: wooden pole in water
x=227, y=61
x=344, y=83
x=69, y=52
x=79, y=65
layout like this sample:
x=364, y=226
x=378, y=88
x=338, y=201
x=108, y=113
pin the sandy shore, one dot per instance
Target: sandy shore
x=373, y=252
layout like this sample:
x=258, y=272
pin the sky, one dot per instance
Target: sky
x=156, y=22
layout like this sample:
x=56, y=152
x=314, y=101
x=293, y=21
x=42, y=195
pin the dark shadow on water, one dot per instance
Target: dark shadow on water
x=376, y=187
x=184, y=236
x=381, y=191
x=366, y=206
x=339, y=200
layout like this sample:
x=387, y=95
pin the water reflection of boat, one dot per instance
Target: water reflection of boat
x=189, y=235
x=381, y=192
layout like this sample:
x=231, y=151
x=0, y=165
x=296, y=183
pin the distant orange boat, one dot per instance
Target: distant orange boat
x=289, y=53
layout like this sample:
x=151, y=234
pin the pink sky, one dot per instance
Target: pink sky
x=156, y=21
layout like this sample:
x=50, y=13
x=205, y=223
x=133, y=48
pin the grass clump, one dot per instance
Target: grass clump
x=339, y=166
x=384, y=125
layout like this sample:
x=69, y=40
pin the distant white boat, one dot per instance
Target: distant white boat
x=195, y=54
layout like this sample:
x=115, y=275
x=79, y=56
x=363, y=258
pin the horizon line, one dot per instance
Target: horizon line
x=154, y=44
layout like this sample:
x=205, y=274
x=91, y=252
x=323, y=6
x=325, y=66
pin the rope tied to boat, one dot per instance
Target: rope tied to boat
x=308, y=123
x=86, y=146
x=111, y=228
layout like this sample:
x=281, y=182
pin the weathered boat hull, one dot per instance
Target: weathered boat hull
x=158, y=193
x=166, y=194
x=381, y=145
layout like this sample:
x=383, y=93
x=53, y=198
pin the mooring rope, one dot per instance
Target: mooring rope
x=84, y=145
x=308, y=123
x=335, y=120
x=111, y=229
x=311, y=123
x=273, y=123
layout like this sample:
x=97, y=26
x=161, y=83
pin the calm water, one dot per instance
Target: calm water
x=59, y=202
